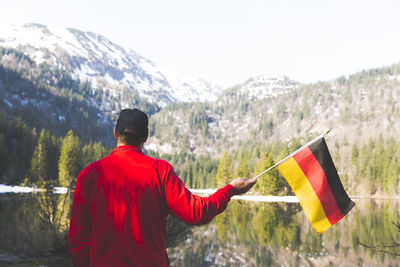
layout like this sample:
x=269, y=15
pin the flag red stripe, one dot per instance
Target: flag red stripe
x=320, y=151
x=319, y=182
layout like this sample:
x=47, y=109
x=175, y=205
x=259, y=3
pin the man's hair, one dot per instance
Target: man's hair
x=132, y=127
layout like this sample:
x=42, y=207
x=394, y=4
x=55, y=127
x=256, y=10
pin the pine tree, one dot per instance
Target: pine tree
x=99, y=151
x=69, y=163
x=93, y=152
x=243, y=170
x=271, y=182
x=224, y=172
x=54, y=155
x=3, y=156
x=39, y=164
x=87, y=153
x=355, y=159
x=354, y=154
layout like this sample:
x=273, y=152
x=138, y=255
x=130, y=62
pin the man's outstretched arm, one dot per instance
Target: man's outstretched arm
x=197, y=210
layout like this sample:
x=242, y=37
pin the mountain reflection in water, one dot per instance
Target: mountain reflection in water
x=246, y=234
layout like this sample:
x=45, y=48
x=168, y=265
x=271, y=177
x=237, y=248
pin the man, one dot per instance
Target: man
x=121, y=202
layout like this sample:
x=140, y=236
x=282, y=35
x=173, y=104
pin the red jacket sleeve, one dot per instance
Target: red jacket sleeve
x=80, y=228
x=191, y=208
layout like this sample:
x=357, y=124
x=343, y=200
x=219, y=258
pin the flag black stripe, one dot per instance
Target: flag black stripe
x=321, y=153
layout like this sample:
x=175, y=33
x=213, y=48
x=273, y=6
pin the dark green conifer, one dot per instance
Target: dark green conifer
x=243, y=169
x=224, y=172
x=39, y=170
x=271, y=183
x=69, y=163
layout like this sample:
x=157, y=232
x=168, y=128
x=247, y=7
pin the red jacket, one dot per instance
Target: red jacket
x=120, y=205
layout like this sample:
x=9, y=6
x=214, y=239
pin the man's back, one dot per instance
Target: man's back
x=120, y=206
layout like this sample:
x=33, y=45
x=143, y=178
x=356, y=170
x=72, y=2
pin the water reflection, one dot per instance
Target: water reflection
x=264, y=234
x=247, y=234
x=34, y=225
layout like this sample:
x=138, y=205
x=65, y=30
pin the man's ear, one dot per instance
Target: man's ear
x=115, y=134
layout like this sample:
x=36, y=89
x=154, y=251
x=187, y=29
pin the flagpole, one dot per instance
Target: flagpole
x=291, y=155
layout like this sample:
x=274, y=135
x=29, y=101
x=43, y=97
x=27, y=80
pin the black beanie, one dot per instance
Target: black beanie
x=136, y=121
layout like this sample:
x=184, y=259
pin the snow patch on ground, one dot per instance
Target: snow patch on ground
x=288, y=199
x=26, y=189
x=60, y=190
x=63, y=190
x=19, y=189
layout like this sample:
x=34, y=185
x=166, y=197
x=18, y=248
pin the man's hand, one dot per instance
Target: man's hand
x=242, y=185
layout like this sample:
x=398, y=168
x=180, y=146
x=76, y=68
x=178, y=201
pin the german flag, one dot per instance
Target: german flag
x=313, y=178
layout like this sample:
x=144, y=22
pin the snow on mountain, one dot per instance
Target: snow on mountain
x=261, y=87
x=90, y=56
x=266, y=86
x=189, y=88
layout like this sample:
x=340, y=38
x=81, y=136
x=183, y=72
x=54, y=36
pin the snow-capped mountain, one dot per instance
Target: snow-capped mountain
x=90, y=56
x=267, y=86
x=263, y=87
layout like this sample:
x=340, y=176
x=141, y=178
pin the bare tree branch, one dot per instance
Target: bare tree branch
x=382, y=247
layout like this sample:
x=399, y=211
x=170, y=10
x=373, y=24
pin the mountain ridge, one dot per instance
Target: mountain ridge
x=357, y=108
x=91, y=56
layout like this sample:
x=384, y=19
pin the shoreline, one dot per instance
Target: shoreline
x=248, y=197
x=289, y=199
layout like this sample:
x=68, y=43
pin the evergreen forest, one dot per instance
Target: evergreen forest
x=52, y=126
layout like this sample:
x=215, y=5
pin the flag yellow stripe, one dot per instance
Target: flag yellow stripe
x=305, y=193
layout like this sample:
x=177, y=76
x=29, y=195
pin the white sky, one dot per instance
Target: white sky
x=227, y=42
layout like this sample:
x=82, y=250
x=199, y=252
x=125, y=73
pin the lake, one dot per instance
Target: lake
x=33, y=229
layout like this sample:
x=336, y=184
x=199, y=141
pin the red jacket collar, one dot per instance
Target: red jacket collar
x=126, y=147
